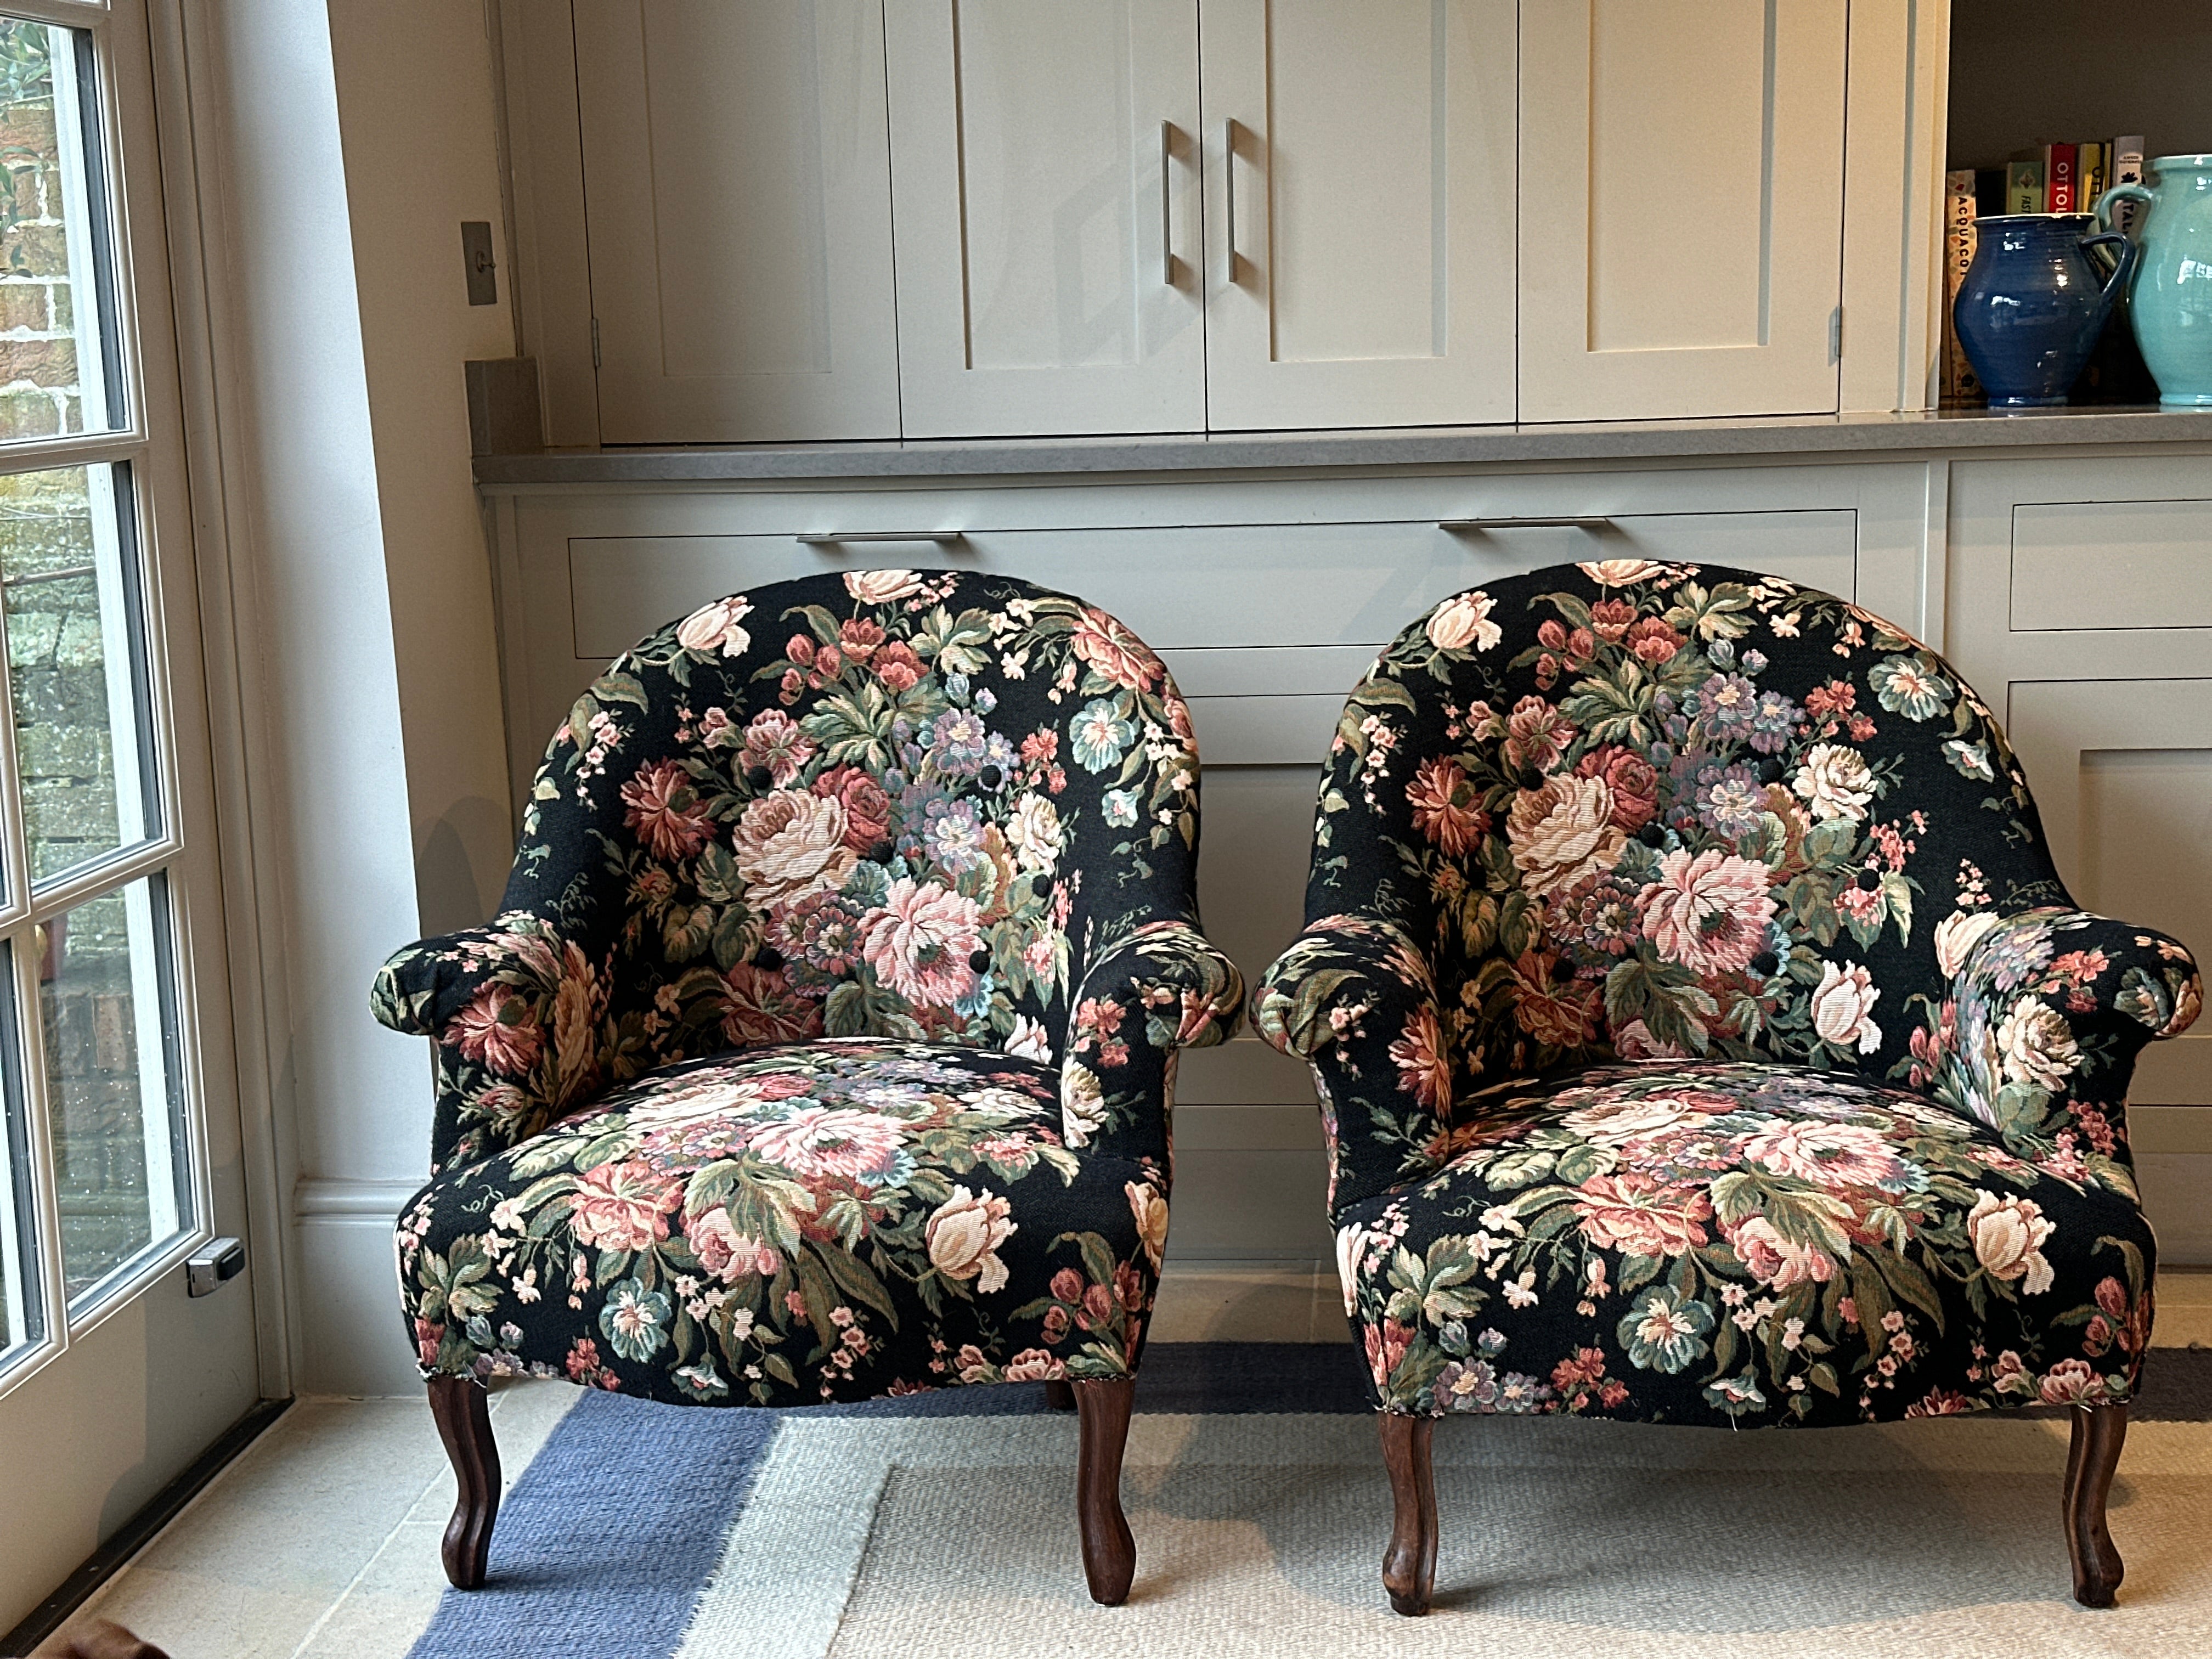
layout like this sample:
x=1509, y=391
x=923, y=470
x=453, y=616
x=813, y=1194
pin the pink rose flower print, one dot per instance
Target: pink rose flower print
x=664, y=810
x=920, y=941
x=1709, y=913
x=623, y=1206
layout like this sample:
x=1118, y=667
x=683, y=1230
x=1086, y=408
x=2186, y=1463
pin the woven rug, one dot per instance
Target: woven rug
x=944, y=1525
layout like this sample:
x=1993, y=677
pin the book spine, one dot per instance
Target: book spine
x=1960, y=387
x=2024, y=187
x=2094, y=170
x=2059, y=179
x=1988, y=193
x=2127, y=169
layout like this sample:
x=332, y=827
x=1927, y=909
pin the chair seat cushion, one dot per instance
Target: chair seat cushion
x=818, y=1221
x=1729, y=1243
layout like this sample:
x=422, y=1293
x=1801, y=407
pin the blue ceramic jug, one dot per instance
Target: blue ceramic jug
x=2033, y=303
x=2169, y=299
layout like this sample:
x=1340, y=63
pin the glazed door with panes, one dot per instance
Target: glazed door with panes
x=120, y=1128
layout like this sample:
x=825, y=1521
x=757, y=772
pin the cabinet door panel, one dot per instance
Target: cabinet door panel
x=1681, y=207
x=737, y=194
x=1033, y=180
x=2122, y=771
x=1367, y=277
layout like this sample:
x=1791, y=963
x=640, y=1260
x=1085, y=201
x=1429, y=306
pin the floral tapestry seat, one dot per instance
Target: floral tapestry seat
x=825, y=1044
x=1704, y=1035
x=676, y=1197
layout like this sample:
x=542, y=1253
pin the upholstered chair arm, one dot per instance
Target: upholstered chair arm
x=1356, y=998
x=2045, y=1014
x=1153, y=993
x=515, y=1011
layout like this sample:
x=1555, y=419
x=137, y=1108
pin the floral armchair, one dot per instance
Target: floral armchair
x=825, y=1045
x=1704, y=1035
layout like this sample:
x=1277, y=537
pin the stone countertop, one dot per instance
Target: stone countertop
x=1953, y=430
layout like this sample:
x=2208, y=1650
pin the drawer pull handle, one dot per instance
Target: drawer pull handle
x=1483, y=525
x=832, y=538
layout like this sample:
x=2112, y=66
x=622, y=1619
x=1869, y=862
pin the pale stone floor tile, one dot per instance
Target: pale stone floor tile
x=2185, y=1287
x=1330, y=1322
x=2185, y=1309
x=322, y=1538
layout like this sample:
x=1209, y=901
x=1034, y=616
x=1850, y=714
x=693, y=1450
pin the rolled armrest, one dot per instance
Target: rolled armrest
x=1357, y=1000
x=2046, y=1011
x=1149, y=994
x=515, y=1011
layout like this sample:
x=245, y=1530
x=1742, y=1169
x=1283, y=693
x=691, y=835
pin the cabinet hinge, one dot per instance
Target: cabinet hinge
x=595, y=341
x=1835, y=335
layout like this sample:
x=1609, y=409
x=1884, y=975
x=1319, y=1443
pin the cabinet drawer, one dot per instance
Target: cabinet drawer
x=2112, y=564
x=1185, y=587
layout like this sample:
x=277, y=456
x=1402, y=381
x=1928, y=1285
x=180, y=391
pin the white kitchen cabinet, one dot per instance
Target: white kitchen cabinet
x=1140, y=216
x=1359, y=212
x=1044, y=163
x=2081, y=611
x=736, y=192
x=1681, y=208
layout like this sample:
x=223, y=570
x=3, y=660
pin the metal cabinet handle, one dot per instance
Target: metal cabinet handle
x=831, y=537
x=1229, y=176
x=1167, y=209
x=1484, y=526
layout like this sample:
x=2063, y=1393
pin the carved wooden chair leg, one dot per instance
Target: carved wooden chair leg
x=463, y=1411
x=1059, y=1396
x=1409, y=1566
x=1110, y=1552
x=2099, y=1433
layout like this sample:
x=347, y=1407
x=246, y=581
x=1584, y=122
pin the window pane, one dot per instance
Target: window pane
x=57, y=366
x=106, y=1016
x=19, y=1313
x=69, y=589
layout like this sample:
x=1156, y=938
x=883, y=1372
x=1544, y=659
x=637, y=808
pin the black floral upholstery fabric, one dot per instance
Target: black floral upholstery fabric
x=825, y=1042
x=1703, y=1031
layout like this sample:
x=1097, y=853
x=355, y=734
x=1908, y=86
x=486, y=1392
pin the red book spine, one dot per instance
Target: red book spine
x=2061, y=182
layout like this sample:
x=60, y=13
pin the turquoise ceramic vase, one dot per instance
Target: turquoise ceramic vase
x=2170, y=299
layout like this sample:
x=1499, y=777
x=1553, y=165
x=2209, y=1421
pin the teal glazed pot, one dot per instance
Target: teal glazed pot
x=2170, y=299
x=2033, y=302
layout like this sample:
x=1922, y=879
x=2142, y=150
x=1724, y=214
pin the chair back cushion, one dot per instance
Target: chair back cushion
x=884, y=803
x=1638, y=811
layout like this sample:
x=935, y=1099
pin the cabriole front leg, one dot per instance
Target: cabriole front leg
x=2094, y=1453
x=463, y=1411
x=1109, y=1551
x=1409, y=1566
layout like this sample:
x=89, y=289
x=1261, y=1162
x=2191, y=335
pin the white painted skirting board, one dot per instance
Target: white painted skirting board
x=351, y=1341
x=322, y=1197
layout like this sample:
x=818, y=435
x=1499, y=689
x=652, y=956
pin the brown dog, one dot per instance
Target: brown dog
x=102, y=1638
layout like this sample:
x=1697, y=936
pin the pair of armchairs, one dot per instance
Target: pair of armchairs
x=1702, y=1032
